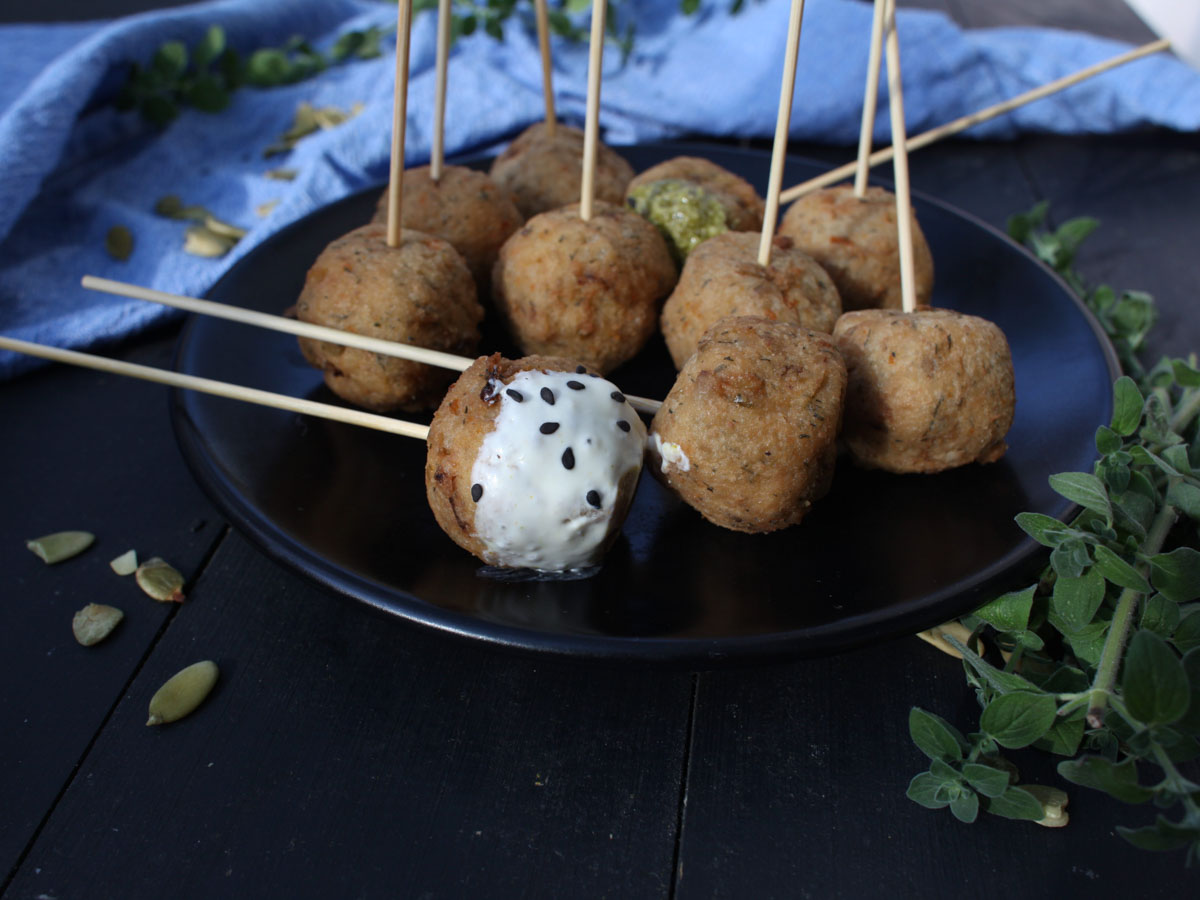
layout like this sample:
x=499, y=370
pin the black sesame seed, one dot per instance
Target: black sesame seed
x=592, y=375
x=548, y=427
x=579, y=370
x=476, y=492
x=623, y=425
x=516, y=395
x=548, y=395
x=593, y=497
x=568, y=459
x=575, y=385
x=618, y=396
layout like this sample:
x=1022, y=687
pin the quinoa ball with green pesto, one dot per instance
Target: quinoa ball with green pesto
x=682, y=212
x=418, y=293
x=743, y=207
x=586, y=290
x=722, y=277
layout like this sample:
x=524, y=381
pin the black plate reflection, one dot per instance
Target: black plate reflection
x=881, y=556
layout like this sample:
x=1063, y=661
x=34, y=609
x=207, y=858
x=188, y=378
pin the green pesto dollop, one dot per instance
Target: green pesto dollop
x=684, y=212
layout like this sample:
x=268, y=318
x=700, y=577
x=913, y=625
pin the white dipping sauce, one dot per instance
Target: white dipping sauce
x=553, y=479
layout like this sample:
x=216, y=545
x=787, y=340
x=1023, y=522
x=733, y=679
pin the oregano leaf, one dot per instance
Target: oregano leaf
x=1009, y=612
x=923, y=789
x=1119, y=572
x=989, y=781
x=1046, y=530
x=1127, y=406
x=965, y=806
x=1155, y=685
x=1075, y=600
x=1019, y=718
x=1177, y=574
x=1085, y=489
x=936, y=738
x=1015, y=803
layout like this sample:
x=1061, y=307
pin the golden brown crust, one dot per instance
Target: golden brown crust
x=464, y=207
x=928, y=391
x=744, y=209
x=584, y=290
x=466, y=416
x=545, y=173
x=756, y=411
x=419, y=293
x=722, y=278
x=856, y=241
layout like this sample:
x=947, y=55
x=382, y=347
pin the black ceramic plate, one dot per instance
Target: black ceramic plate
x=880, y=556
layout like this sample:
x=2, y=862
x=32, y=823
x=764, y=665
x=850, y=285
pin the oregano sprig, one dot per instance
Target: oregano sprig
x=1099, y=661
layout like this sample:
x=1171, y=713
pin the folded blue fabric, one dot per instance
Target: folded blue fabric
x=72, y=166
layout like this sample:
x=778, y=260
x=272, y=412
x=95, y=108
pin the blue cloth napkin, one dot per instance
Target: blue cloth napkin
x=72, y=166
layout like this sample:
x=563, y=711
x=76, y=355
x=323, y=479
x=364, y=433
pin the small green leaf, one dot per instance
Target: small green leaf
x=207, y=94
x=1015, y=803
x=170, y=60
x=346, y=45
x=1159, y=615
x=119, y=243
x=267, y=68
x=1088, y=642
x=1155, y=685
x=1075, y=600
x=1187, y=633
x=1071, y=558
x=1086, y=490
x=1162, y=835
x=1019, y=718
x=1047, y=531
x=965, y=806
x=988, y=781
x=1190, y=723
x=923, y=789
x=1177, y=574
x=1187, y=375
x=210, y=47
x=1107, y=440
x=1127, y=406
x=1186, y=498
x=1119, y=572
x=936, y=738
x=1119, y=781
x=1064, y=736
x=1009, y=612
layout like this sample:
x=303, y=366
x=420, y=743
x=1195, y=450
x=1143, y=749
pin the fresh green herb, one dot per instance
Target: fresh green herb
x=1100, y=660
x=206, y=76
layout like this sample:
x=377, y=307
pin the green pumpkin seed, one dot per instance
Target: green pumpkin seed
x=126, y=563
x=281, y=174
x=160, y=580
x=170, y=206
x=1053, y=803
x=224, y=229
x=53, y=548
x=265, y=209
x=200, y=241
x=119, y=243
x=93, y=623
x=182, y=692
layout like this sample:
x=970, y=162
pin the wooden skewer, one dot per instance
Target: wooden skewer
x=870, y=97
x=984, y=115
x=782, y=121
x=591, y=132
x=219, y=388
x=908, y=289
x=304, y=329
x=399, y=116
x=437, y=158
x=543, y=32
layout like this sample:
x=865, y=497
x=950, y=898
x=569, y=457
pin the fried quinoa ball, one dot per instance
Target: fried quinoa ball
x=544, y=173
x=748, y=434
x=743, y=207
x=419, y=293
x=722, y=278
x=856, y=241
x=533, y=463
x=584, y=290
x=464, y=207
x=928, y=391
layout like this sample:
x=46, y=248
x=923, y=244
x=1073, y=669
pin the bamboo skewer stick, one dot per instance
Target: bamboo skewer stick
x=399, y=117
x=870, y=98
x=543, y=32
x=976, y=118
x=591, y=132
x=908, y=288
x=782, y=121
x=437, y=157
x=304, y=329
x=219, y=388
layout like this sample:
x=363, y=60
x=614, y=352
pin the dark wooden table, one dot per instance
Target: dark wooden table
x=347, y=754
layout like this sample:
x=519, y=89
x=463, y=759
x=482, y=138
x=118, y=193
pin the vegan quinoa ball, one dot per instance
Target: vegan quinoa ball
x=533, y=463
x=464, y=207
x=743, y=207
x=419, y=293
x=544, y=173
x=855, y=240
x=588, y=291
x=748, y=434
x=928, y=391
x=722, y=278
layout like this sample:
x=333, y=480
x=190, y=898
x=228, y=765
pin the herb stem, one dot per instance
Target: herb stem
x=1178, y=783
x=1122, y=621
x=1188, y=407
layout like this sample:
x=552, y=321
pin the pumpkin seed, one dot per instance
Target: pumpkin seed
x=126, y=563
x=160, y=580
x=53, y=548
x=1053, y=802
x=94, y=622
x=224, y=229
x=119, y=243
x=265, y=209
x=200, y=241
x=182, y=692
x=281, y=174
x=169, y=206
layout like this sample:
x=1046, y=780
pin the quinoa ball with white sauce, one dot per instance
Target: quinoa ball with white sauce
x=747, y=436
x=856, y=241
x=928, y=391
x=533, y=463
x=418, y=293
